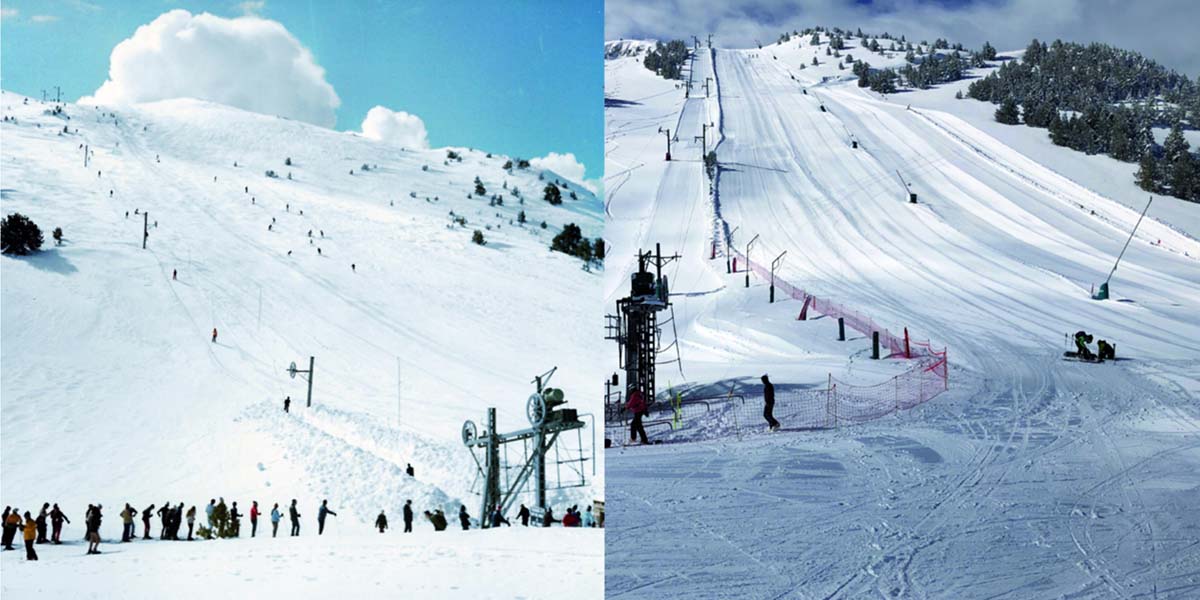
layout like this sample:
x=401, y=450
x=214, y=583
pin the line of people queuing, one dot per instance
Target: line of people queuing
x=225, y=521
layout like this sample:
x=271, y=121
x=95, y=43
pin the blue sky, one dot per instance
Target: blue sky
x=521, y=78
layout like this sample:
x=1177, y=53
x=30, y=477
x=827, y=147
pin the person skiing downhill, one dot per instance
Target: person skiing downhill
x=769, y=403
x=408, y=516
x=321, y=514
x=637, y=405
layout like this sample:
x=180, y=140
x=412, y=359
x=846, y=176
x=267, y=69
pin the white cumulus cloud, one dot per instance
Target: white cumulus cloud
x=567, y=166
x=247, y=62
x=395, y=127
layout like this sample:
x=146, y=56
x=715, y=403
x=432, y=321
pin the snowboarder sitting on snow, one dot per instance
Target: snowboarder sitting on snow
x=1105, y=350
x=381, y=522
x=1082, y=339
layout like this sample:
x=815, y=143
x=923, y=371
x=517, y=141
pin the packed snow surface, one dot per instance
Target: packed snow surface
x=114, y=391
x=1033, y=476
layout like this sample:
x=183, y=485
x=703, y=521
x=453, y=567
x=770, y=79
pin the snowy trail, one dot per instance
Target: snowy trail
x=1031, y=477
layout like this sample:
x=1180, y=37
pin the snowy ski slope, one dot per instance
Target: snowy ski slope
x=113, y=392
x=1032, y=476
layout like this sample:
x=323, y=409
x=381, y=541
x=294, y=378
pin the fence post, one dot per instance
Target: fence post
x=875, y=345
x=841, y=329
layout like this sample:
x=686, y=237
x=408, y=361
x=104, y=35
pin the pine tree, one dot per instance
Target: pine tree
x=988, y=52
x=1148, y=175
x=479, y=189
x=552, y=194
x=19, y=235
x=1008, y=113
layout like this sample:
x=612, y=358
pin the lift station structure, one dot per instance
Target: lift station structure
x=636, y=328
x=548, y=420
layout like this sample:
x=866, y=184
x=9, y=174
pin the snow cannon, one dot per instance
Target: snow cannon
x=1102, y=293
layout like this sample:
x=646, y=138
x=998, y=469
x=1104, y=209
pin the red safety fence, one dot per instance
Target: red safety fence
x=833, y=405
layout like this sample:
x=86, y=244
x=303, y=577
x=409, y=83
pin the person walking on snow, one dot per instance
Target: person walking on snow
x=408, y=516
x=164, y=517
x=523, y=514
x=56, y=522
x=127, y=516
x=253, y=518
x=12, y=521
x=588, y=519
x=769, y=403
x=275, y=516
x=214, y=335
x=191, y=519
x=41, y=523
x=294, y=515
x=637, y=406
x=381, y=522
x=30, y=535
x=463, y=517
x=287, y=403
x=235, y=523
x=321, y=514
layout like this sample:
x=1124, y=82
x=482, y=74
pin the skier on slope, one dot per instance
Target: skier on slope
x=146, y=514
x=1105, y=350
x=408, y=516
x=321, y=514
x=637, y=405
x=769, y=403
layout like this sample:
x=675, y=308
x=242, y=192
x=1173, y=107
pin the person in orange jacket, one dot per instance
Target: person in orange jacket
x=30, y=535
x=637, y=406
x=11, y=525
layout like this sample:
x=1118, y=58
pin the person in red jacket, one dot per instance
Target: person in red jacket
x=214, y=335
x=253, y=518
x=637, y=406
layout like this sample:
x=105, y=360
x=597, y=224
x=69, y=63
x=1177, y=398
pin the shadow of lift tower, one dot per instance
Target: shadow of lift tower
x=637, y=331
x=548, y=419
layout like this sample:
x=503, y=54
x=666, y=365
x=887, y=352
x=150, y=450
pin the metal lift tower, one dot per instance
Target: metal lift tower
x=548, y=419
x=636, y=329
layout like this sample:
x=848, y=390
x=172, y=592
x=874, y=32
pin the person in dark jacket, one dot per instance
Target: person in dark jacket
x=408, y=516
x=463, y=517
x=12, y=521
x=146, y=514
x=41, y=523
x=94, y=519
x=523, y=514
x=287, y=403
x=408, y=469
x=769, y=403
x=191, y=519
x=381, y=522
x=437, y=519
x=128, y=517
x=321, y=514
x=548, y=517
x=294, y=515
x=235, y=520
x=1082, y=339
x=56, y=522
x=163, y=513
